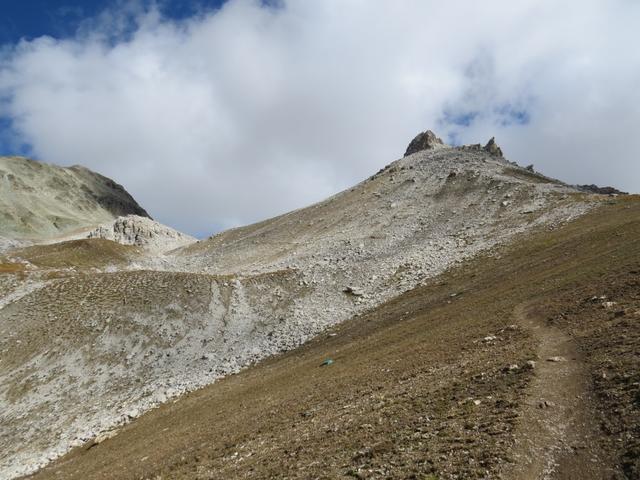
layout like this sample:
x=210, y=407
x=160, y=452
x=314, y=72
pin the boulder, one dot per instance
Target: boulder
x=142, y=232
x=355, y=291
x=556, y=359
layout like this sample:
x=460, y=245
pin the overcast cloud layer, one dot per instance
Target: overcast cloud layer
x=253, y=110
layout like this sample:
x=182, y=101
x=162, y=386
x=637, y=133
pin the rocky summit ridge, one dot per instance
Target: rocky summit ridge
x=428, y=140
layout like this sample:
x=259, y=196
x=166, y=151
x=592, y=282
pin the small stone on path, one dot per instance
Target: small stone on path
x=556, y=359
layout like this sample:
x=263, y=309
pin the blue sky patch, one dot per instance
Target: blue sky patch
x=30, y=19
x=509, y=115
x=460, y=119
x=503, y=115
x=9, y=145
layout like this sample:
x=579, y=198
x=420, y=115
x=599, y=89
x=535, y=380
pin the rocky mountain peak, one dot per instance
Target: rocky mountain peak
x=429, y=141
x=424, y=141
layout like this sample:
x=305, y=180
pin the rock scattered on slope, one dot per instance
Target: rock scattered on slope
x=556, y=359
x=142, y=232
x=355, y=291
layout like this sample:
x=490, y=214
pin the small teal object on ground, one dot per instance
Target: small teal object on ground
x=328, y=361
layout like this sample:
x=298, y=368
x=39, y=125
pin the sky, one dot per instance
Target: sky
x=216, y=114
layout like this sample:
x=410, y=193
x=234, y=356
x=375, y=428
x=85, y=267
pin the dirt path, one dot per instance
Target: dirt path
x=557, y=437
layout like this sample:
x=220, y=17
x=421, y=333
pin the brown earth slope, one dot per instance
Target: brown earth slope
x=78, y=254
x=434, y=384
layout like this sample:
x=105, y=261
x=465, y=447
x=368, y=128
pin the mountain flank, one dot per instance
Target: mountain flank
x=95, y=332
x=518, y=364
x=42, y=203
x=39, y=201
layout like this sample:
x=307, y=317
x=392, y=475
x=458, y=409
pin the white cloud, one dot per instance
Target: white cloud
x=249, y=111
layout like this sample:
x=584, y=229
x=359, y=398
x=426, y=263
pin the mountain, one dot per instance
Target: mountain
x=42, y=203
x=39, y=201
x=421, y=266
x=418, y=214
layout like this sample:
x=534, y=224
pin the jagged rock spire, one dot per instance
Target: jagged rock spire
x=493, y=148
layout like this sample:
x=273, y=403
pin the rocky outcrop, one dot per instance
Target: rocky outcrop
x=142, y=232
x=600, y=190
x=424, y=141
x=492, y=148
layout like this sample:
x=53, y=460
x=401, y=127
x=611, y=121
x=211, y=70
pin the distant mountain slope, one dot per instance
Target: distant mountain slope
x=39, y=201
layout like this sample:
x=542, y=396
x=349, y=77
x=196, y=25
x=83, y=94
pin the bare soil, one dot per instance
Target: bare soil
x=77, y=254
x=433, y=384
